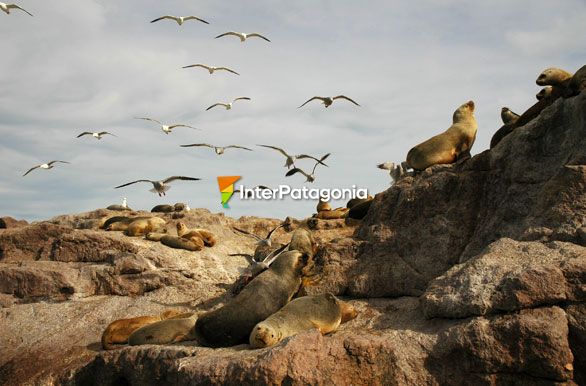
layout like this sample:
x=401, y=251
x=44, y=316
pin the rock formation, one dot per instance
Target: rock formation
x=466, y=274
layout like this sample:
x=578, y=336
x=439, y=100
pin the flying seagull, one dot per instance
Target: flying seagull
x=259, y=240
x=309, y=177
x=218, y=149
x=243, y=36
x=167, y=128
x=291, y=158
x=161, y=187
x=48, y=165
x=180, y=19
x=95, y=135
x=228, y=106
x=327, y=101
x=7, y=7
x=211, y=69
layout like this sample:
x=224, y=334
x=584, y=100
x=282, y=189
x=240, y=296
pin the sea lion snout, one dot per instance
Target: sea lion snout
x=470, y=105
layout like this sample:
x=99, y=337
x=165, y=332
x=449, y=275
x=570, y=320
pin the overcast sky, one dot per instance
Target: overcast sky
x=82, y=65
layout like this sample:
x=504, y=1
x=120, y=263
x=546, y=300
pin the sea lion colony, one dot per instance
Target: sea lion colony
x=262, y=313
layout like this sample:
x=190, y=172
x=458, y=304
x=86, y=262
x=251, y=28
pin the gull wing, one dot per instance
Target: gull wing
x=217, y=104
x=52, y=162
x=227, y=69
x=182, y=178
x=30, y=170
x=105, y=132
x=247, y=233
x=345, y=97
x=180, y=125
x=241, y=99
x=14, y=6
x=84, y=133
x=272, y=231
x=255, y=34
x=198, y=144
x=296, y=170
x=171, y=17
x=151, y=119
x=133, y=182
x=320, y=162
x=277, y=149
x=228, y=33
x=198, y=65
x=271, y=257
x=237, y=147
x=312, y=99
x=195, y=18
x=301, y=156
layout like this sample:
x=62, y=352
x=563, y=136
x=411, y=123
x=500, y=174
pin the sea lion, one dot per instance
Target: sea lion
x=508, y=116
x=355, y=201
x=143, y=226
x=118, y=207
x=323, y=205
x=154, y=236
x=208, y=237
x=191, y=244
x=164, y=208
x=449, y=146
x=120, y=223
x=544, y=93
x=166, y=331
x=302, y=240
x=332, y=214
x=179, y=206
x=117, y=332
x=358, y=212
x=232, y=323
x=555, y=77
x=324, y=312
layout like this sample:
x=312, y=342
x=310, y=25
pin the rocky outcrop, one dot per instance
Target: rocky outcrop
x=467, y=274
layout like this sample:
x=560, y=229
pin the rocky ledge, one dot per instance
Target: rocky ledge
x=467, y=274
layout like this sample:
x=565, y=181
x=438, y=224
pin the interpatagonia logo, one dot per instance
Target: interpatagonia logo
x=226, y=184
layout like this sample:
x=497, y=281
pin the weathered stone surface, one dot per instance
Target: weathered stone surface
x=509, y=276
x=9, y=222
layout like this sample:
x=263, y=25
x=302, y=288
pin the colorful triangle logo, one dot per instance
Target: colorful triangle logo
x=226, y=185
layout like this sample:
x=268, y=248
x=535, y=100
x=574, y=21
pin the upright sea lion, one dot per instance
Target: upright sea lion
x=508, y=116
x=232, y=323
x=208, y=237
x=117, y=332
x=166, y=331
x=449, y=146
x=143, y=226
x=323, y=205
x=324, y=312
x=164, y=208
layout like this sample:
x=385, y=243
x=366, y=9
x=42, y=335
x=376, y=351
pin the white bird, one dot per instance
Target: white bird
x=7, y=7
x=218, y=149
x=243, y=36
x=180, y=19
x=168, y=128
x=395, y=171
x=309, y=177
x=292, y=158
x=48, y=165
x=211, y=69
x=327, y=101
x=124, y=202
x=98, y=135
x=228, y=106
x=160, y=187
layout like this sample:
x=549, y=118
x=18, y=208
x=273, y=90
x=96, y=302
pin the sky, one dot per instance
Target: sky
x=87, y=65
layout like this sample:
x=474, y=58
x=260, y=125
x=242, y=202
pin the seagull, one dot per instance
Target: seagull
x=218, y=149
x=243, y=36
x=180, y=19
x=291, y=158
x=228, y=106
x=48, y=165
x=95, y=135
x=211, y=69
x=395, y=171
x=327, y=101
x=309, y=177
x=266, y=242
x=261, y=260
x=7, y=7
x=167, y=128
x=161, y=187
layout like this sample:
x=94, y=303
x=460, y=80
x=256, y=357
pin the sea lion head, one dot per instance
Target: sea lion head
x=291, y=262
x=181, y=228
x=178, y=207
x=544, y=93
x=464, y=112
x=552, y=77
x=263, y=335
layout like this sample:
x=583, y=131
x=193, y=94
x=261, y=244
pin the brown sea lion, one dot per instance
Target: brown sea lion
x=508, y=116
x=323, y=205
x=190, y=244
x=168, y=331
x=332, y=214
x=120, y=223
x=164, y=208
x=449, y=146
x=544, y=93
x=324, y=312
x=117, y=332
x=302, y=240
x=208, y=237
x=232, y=323
x=358, y=212
x=140, y=227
